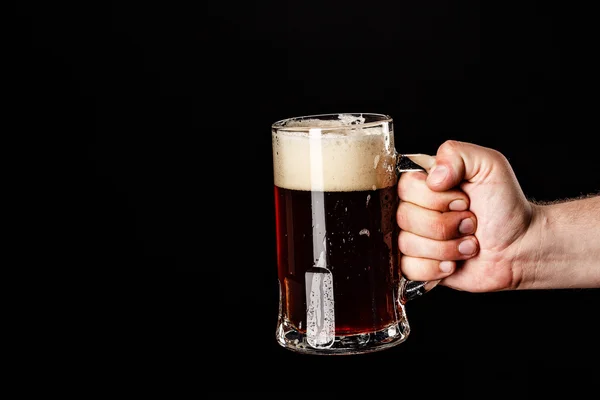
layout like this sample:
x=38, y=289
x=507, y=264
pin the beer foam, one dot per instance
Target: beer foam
x=343, y=156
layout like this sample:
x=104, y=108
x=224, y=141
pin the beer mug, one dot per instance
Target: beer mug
x=340, y=286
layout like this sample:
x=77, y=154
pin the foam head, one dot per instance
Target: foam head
x=343, y=154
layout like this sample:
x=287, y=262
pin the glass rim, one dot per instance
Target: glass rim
x=381, y=118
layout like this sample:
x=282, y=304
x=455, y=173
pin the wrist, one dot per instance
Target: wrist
x=530, y=259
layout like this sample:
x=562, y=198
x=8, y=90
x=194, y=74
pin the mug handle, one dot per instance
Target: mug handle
x=406, y=163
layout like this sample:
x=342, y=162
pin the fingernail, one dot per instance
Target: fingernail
x=467, y=247
x=446, y=266
x=438, y=174
x=466, y=226
x=458, y=205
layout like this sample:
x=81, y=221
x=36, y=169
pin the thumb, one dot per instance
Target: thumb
x=460, y=161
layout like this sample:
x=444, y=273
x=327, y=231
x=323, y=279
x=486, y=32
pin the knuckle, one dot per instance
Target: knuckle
x=403, y=243
x=449, y=146
x=403, y=185
x=440, y=202
x=440, y=229
x=453, y=222
x=402, y=216
x=413, y=268
x=447, y=251
x=502, y=159
x=409, y=182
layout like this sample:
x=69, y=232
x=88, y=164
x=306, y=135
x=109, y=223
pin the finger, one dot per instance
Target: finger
x=434, y=224
x=425, y=269
x=413, y=188
x=456, y=249
x=460, y=161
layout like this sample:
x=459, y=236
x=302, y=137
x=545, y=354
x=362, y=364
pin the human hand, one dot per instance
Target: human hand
x=465, y=221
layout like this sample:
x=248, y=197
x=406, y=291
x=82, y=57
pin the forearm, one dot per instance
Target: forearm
x=563, y=246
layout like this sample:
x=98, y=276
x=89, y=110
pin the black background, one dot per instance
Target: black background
x=154, y=121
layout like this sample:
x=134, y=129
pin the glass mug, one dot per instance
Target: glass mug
x=340, y=286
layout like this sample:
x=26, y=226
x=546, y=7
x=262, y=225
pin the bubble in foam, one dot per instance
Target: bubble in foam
x=343, y=120
x=348, y=119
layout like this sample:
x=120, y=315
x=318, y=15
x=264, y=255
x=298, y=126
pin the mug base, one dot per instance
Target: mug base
x=292, y=339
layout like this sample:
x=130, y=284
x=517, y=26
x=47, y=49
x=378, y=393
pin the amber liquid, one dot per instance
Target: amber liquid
x=360, y=250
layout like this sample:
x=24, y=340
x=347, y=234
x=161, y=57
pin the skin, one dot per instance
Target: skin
x=507, y=242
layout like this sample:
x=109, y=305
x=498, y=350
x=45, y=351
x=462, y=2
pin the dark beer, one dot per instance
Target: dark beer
x=337, y=254
x=360, y=251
